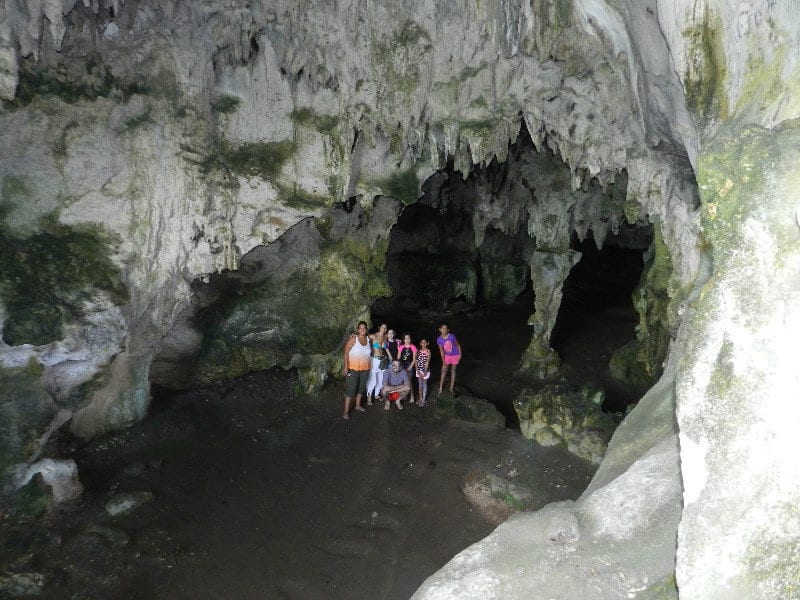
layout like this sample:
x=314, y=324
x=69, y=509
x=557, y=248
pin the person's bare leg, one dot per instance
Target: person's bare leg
x=403, y=396
x=346, y=414
x=441, y=379
x=358, y=404
x=452, y=377
x=386, y=400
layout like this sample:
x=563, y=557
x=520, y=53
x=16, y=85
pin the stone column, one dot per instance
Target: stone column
x=549, y=270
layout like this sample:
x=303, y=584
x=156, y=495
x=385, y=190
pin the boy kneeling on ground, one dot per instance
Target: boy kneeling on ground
x=396, y=385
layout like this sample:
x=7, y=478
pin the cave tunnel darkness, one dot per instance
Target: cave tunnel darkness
x=484, y=293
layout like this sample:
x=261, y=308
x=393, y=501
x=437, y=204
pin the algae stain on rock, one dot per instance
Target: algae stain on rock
x=402, y=185
x=45, y=279
x=706, y=73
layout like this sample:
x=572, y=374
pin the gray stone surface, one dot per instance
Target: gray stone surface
x=616, y=541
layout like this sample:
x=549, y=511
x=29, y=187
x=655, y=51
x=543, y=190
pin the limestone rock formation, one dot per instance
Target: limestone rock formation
x=149, y=145
x=470, y=409
x=554, y=415
x=615, y=541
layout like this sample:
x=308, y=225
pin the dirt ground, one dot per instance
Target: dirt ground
x=259, y=492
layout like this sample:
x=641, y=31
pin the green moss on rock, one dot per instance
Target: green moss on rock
x=640, y=362
x=397, y=59
x=402, y=185
x=256, y=159
x=706, y=73
x=140, y=119
x=45, y=279
x=307, y=117
x=95, y=81
x=225, y=104
x=297, y=197
x=32, y=500
x=263, y=325
x=26, y=410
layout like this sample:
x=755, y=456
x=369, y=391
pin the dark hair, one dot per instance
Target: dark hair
x=443, y=324
x=407, y=334
x=360, y=323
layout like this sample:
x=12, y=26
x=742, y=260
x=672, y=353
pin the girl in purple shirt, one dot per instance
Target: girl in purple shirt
x=450, y=351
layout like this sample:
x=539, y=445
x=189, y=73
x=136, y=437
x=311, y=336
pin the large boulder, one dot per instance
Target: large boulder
x=470, y=409
x=556, y=415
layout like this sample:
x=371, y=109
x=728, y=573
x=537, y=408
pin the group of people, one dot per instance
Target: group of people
x=382, y=367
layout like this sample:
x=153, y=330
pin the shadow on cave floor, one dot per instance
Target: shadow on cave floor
x=262, y=493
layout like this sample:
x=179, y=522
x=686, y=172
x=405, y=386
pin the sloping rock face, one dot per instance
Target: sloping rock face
x=737, y=386
x=616, y=541
x=154, y=143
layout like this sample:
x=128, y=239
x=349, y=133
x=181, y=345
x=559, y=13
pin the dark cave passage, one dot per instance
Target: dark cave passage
x=485, y=293
x=597, y=316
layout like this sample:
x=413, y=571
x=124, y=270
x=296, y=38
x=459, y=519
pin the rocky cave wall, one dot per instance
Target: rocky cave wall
x=158, y=143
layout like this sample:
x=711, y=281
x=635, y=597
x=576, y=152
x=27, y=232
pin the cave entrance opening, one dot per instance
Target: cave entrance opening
x=447, y=262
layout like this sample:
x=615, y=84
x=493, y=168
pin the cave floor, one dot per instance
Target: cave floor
x=261, y=492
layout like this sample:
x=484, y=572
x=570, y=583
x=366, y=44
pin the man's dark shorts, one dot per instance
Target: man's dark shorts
x=355, y=383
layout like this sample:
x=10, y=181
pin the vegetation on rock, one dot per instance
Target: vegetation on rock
x=46, y=278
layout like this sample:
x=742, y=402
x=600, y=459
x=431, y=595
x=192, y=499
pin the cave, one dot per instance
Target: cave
x=200, y=202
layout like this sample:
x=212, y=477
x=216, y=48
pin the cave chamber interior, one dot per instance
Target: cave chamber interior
x=439, y=270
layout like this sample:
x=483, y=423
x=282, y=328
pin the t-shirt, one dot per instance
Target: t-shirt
x=422, y=359
x=449, y=344
x=406, y=354
x=392, y=378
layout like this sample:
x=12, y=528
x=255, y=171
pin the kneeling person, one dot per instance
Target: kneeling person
x=396, y=385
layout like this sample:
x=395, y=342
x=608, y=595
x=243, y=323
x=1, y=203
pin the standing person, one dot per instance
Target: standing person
x=356, y=368
x=380, y=362
x=396, y=385
x=423, y=371
x=407, y=353
x=450, y=350
x=391, y=345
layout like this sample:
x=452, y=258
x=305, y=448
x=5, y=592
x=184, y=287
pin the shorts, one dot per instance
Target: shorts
x=355, y=383
x=452, y=360
x=392, y=396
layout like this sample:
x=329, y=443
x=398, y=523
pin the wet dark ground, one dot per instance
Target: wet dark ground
x=261, y=492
